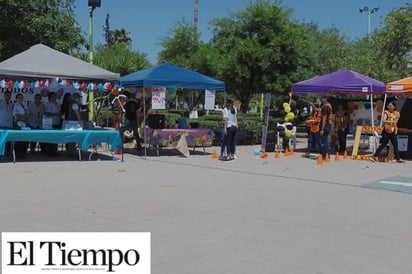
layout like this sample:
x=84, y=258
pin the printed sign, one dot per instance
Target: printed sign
x=210, y=96
x=89, y=252
x=158, y=98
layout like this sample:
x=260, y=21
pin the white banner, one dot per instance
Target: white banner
x=158, y=98
x=82, y=252
x=210, y=96
x=28, y=93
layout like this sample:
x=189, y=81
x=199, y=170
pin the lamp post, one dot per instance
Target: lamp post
x=369, y=11
x=92, y=5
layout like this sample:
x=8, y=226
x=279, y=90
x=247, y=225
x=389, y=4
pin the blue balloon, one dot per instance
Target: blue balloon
x=367, y=105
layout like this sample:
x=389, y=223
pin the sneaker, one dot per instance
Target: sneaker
x=374, y=159
x=234, y=157
x=307, y=155
x=400, y=161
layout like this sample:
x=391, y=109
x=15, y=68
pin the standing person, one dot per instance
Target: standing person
x=325, y=126
x=6, y=117
x=65, y=106
x=20, y=116
x=6, y=108
x=230, y=128
x=131, y=119
x=313, y=124
x=342, y=127
x=390, y=131
x=36, y=111
x=52, y=111
x=73, y=115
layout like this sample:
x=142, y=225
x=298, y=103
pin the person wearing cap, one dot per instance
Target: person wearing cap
x=326, y=124
x=390, y=131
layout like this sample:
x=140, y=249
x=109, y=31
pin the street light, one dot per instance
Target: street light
x=369, y=11
x=92, y=5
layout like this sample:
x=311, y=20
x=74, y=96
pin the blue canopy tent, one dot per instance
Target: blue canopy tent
x=169, y=76
x=341, y=81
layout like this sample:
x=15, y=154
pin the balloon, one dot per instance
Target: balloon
x=285, y=105
x=379, y=108
x=286, y=119
x=290, y=115
x=367, y=105
x=288, y=133
x=257, y=152
x=287, y=109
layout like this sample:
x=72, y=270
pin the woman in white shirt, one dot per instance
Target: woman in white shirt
x=19, y=112
x=230, y=127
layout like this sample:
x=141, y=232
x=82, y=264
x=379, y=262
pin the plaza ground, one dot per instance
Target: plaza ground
x=252, y=215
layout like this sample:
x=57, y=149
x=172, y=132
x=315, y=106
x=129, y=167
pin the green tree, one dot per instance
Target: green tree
x=394, y=40
x=261, y=50
x=179, y=45
x=120, y=58
x=28, y=22
x=182, y=48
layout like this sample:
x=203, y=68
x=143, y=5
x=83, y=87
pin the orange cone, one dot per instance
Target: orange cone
x=286, y=152
x=291, y=153
x=214, y=154
x=277, y=155
x=320, y=160
x=345, y=155
x=337, y=156
x=327, y=159
x=264, y=155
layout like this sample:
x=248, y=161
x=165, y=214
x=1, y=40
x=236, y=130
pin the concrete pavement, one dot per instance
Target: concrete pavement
x=252, y=215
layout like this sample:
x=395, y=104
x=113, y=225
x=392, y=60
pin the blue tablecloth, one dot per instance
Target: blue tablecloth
x=81, y=137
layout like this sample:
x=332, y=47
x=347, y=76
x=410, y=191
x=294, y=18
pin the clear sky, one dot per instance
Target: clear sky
x=147, y=21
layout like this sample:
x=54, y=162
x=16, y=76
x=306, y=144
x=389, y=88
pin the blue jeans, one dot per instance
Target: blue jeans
x=313, y=138
x=324, y=140
x=224, y=142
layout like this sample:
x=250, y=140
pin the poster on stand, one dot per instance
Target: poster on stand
x=158, y=98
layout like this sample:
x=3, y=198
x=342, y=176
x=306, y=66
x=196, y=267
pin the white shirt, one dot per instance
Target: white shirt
x=53, y=108
x=18, y=109
x=36, y=115
x=6, y=117
x=230, y=116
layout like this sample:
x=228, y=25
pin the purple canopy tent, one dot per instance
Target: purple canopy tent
x=341, y=81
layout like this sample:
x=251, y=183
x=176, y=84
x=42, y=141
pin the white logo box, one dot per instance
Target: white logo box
x=76, y=252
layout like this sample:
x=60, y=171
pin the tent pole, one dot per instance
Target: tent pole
x=383, y=109
x=144, y=123
x=373, y=120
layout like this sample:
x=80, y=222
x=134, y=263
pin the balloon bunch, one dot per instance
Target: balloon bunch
x=285, y=125
x=289, y=114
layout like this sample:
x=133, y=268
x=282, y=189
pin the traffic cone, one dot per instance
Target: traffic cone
x=320, y=159
x=337, y=156
x=345, y=155
x=277, y=155
x=214, y=154
x=327, y=159
x=286, y=152
x=264, y=155
x=291, y=153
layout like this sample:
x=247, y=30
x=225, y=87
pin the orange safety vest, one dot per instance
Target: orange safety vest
x=393, y=117
x=314, y=121
x=329, y=118
x=340, y=120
